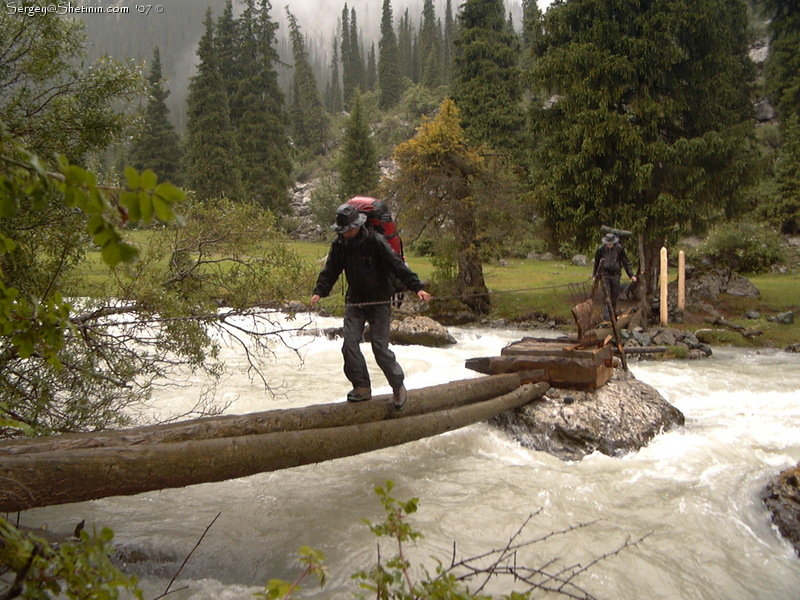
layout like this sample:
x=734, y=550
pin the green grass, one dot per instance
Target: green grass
x=523, y=290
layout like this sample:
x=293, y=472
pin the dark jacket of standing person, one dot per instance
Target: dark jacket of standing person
x=609, y=261
x=368, y=262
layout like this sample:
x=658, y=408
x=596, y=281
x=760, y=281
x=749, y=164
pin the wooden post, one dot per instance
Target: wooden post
x=664, y=284
x=681, y=280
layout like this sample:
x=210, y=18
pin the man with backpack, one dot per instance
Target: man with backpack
x=609, y=261
x=368, y=262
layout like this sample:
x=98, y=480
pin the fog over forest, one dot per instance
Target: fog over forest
x=177, y=26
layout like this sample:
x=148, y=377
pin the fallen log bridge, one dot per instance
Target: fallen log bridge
x=79, y=467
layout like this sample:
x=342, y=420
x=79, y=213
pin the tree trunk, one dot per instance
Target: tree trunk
x=46, y=477
x=471, y=284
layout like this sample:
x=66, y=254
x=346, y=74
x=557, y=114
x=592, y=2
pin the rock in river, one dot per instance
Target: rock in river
x=621, y=416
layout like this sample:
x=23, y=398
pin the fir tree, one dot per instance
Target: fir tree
x=226, y=42
x=309, y=121
x=333, y=93
x=405, y=49
x=358, y=161
x=447, y=42
x=262, y=131
x=211, y=170
x=783, y=84
x=349, y=77
x=430, y=48
x=786, y=208
x=158, y=148
x=531, y=24
x=485, y=84
x=651, y=130
x=783, y=64
x=371, y=75
x=358, y=75
x=390, y=83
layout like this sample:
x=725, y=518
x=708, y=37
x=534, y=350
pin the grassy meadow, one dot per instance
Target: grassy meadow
x=531, y=290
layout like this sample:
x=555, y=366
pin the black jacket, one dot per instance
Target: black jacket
x=613, y=260
x=370, y=266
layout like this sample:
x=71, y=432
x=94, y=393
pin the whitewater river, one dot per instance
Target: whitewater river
x=692, y=497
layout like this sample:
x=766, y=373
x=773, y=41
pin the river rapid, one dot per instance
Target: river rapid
x=689, y=502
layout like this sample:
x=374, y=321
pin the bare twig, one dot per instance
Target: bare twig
x=188, y=556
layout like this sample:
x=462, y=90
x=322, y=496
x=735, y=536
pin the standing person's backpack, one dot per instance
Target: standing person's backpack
x=380, y=219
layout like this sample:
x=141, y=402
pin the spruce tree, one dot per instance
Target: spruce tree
x=430, y=48
x=390, y=83
x=211, y=167
x=371, y=76
x=783, y=64
x=485, y=84
x=786, y=208
x=158, y=147
x=262, y=131
x=447, y=42
x=358, y=162
x=349, y=83
x=651, y=130
x=309, y=121
x=333, y=93
x=405, y=49
x=783, y=84
x=357, y=67
x=227, y=42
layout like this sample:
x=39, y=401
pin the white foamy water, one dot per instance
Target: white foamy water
x=693, y=494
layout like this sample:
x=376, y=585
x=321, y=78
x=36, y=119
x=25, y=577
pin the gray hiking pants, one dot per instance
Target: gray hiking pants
x=355, y=366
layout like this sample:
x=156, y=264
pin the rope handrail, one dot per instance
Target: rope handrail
x=473, y=295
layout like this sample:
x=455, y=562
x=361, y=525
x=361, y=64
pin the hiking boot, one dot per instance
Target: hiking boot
x=400, y=398
x=359, y=394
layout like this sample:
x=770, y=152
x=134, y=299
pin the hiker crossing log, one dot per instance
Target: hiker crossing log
x=52, y=471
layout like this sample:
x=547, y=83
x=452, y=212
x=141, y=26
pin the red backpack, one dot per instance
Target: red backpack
x=380, y=219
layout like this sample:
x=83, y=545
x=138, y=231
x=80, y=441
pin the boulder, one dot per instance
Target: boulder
x=622, y=416
x=710, y=283
x=421, y=331
x=782, y=497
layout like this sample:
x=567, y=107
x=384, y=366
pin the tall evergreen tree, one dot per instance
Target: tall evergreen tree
x=783, y=84
x=227, y=42
x=531, y=24
x=405, y=48
x=390, y=83
x=447, y=42
x=349, y=76
x=158, y=147
x=262, y=131
x=358, y=162
x=371, y=76
x=310, y=123
x=211, y=168
x=430, y=48
x=783, y=64
x=356, y=56
x=485, y=84
x=651, y=130
x=333, y=94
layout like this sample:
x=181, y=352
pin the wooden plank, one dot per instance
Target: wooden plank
x=560, y=372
